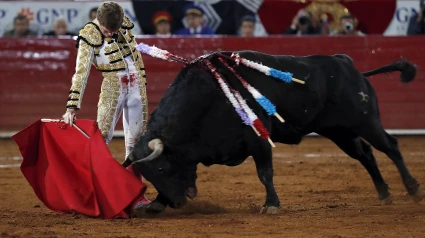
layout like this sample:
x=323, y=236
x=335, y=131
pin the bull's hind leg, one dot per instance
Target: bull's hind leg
x=262, y=155
x=382, y=141
x=359, y=150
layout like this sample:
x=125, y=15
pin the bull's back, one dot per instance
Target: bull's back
x=333, y=86
x=349, y=94
x=297, y=103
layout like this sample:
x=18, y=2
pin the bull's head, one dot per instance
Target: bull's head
x=170, y=179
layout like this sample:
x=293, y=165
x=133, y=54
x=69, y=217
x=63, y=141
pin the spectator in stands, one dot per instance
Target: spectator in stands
x=247, y=27
x=20, y=28
x=162, y=20
x=93, y=13
x=323, y=25
x=194, y=18
x=302, y=24
x=59, y=29
x=348, y=27
x=417, y=21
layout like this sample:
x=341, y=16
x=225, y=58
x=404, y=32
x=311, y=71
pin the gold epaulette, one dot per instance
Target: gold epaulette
x=127, y=24
x=91, y=34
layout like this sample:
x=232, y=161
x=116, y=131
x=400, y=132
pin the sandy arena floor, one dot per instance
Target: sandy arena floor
x=323, y=194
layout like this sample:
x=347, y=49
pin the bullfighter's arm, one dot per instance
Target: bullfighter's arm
x=82, y=71
x=89, y=38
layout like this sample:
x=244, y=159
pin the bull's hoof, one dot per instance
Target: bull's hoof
x=418, y=196
x=412, y=186
x=192, y=192
x=140, y=212
x=148, y=210
x=269, y=210
x=155, y=207
x=387, y=201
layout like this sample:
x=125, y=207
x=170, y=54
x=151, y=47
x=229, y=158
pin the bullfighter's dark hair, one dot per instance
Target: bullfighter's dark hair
x=110, y=15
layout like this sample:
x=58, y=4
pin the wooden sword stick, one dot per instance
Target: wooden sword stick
x=298, y=81
x=74, y=125
x=271, y=142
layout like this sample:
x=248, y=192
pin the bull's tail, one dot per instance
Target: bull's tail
x=407, y=70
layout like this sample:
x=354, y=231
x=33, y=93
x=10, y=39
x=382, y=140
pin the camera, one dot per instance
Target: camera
x=348, y=27
x=304, y=20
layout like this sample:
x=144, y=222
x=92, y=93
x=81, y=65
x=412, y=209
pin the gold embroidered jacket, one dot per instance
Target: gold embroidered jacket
x=106, y=54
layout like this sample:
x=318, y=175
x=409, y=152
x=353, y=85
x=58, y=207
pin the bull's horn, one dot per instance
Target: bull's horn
x=128, y=160
x=157, y=146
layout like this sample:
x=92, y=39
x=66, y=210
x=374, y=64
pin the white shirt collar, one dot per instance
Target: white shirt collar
x=195, y=31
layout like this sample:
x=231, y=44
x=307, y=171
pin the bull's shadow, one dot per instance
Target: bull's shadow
x=196, y=207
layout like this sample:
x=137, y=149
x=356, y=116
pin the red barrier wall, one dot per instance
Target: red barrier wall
x=35, y=74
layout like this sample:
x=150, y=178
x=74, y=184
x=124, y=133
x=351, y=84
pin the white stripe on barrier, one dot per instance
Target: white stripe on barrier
x=15, y=158
x=396, y=132
x=329, y=155
x=408, y=132
x=277, y=156
x=5, y=166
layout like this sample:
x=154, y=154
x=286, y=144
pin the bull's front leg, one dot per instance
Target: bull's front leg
x=263, y=162
x=192, y=191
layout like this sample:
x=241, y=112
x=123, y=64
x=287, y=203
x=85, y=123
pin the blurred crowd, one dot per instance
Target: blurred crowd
x=303, y=23
x=22, y=28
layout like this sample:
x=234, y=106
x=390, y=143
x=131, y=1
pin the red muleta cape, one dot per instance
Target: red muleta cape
x=73, y=174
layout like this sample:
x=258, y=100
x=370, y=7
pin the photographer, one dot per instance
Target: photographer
x=417, y=21
x=302, y=24
x=348, y=27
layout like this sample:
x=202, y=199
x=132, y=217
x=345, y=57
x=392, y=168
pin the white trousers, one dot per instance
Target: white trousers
x=129, y=105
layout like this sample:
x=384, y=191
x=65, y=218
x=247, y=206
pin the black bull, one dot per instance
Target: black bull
x=194, y=123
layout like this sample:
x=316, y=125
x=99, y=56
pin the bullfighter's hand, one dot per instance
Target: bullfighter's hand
x=69, y=116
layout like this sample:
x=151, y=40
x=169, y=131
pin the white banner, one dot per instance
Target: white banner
x=42, y=15
x=400, y=22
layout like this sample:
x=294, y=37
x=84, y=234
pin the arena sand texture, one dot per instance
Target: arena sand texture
x=323, y=193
